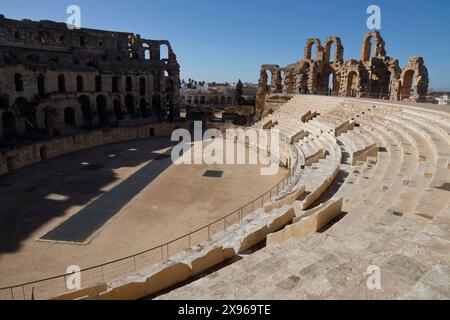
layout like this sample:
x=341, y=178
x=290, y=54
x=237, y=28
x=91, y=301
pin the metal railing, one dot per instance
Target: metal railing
x=54, y=286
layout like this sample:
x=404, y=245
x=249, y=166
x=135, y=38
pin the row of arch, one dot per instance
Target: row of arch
x=80, y=84
x=83, y=41
x=133, y=107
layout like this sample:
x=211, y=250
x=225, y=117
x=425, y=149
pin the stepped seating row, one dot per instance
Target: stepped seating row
x=396, y=208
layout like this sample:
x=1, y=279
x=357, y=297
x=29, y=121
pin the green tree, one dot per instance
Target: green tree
x=238, y=92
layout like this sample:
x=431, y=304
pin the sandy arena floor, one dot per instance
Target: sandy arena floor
x=41, y=197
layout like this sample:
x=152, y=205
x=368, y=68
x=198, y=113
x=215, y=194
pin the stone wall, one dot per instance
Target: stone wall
x=54, y=80
x=374, y=75
x=22, y=156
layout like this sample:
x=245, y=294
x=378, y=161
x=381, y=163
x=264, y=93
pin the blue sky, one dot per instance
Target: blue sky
x=226, y=40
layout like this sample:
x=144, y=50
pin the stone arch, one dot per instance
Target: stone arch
x=378, y=46
x=102, y=108
x=143, y=108
x=169, y=107
x=128, y=84
x=61, y=83
x=18, y=82
x=9, y=124
x=338, y=53
x=309, y=46
x=352, y=85
x=164, y=51
x=169, y=85
x=86, y=112
x=156, y=104
x=414, y=80
x=41, y=85
x=98, y=83
x=69, y=117
x=147, y=51
x=115, y=87
x=142, y=86
x=129, y=104
x=332, y=82
x=117, y=106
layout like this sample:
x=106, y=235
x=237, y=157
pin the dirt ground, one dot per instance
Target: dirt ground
x=39, y=198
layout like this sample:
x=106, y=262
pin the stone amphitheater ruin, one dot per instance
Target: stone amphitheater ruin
x=368, y=182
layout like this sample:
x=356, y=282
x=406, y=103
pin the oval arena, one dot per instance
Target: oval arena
x=87, y=179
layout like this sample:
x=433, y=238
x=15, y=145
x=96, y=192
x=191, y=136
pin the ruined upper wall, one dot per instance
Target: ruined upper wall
x=49, y=43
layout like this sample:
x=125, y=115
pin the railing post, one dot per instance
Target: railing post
x=134, y=262
x=23, y=291
x=189, y=240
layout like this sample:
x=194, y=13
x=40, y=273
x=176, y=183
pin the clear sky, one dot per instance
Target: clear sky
x=226, y=40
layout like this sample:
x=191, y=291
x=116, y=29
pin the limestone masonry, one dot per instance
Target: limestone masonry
x=54, y=80
x=374, y=75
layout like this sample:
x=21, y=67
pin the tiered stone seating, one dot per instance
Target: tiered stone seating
x=395, y=204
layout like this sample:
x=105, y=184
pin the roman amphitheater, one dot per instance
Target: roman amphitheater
x=363, y=185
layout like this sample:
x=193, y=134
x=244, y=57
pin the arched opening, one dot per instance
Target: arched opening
x=164, y=52
x=156, y=105
x=98, y=84
x=86, y=110
x=4, y=101
x=18, y=81
x=27, y=112
x=230, y=100
x=147, y=52
x=41, y=85
x=189, y=100
x=223, y=100
x=129, y=104
x=169, y=85
x=69, y=117
x=115, y=84
x=142, y=84
x=117, y=106
x=369, y=48
x=408, y=85
x=128, y=84
x=156, y=82
x=332, y=85
x=9, y=125
x=61, y=83
x=80, y=83
x=203, y=100
x=312, y=49
x=169, y=107
x=102, y=109
x=143, y=108
x=152, y=132
x=352, y=84
x=330, y=52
